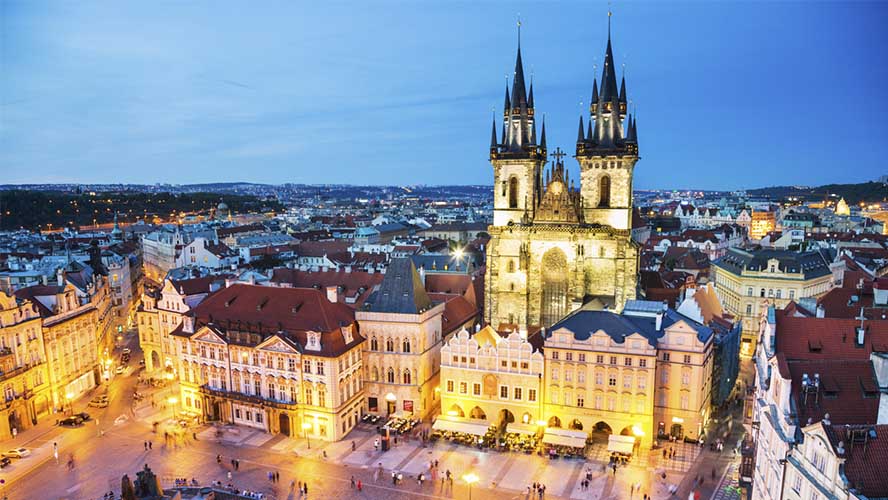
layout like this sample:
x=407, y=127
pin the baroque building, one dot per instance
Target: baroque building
x=556, y=245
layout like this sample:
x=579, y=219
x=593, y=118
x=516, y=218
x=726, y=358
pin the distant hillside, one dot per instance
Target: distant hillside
x=853, y=193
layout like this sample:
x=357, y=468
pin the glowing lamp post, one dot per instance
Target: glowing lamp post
x=470, y=479
x=305, y=427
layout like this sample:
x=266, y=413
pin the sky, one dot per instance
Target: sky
x=728, y=95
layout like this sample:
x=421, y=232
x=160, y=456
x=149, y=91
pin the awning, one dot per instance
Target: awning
x=620, y=444
x=517, y=428
x=401, y=414
x=564, y=441
x=477, y=427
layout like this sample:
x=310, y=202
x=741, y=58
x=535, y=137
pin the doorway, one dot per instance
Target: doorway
x=284, y=421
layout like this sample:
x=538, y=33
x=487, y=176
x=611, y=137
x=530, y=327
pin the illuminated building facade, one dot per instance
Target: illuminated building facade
x=555, y=245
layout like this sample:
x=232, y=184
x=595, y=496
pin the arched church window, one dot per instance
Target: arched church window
x=389, y=345
x=374, y=344
x=604, y=191
x=513, y=192
x=406, y=376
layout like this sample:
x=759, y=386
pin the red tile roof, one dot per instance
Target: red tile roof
x=796, y=336
x=355, y=284
x=270, y=310
x=457, y=311
x=194, y=286
x=848, y=391
x=865, y=464
x=320, y=248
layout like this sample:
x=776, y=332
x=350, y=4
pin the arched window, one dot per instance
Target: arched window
x=604, y=191
x=762, y=292
x=374, y=344
x=406, y=378
x=375, y=374
x=513, y=192
x=406, y=345
x=390, y=376
x=389, y=345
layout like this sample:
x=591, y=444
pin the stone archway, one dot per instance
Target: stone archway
x=576, y=425
x=602, y=427
x=478, y=413
x=554, y=422
x=506, y=416
x=456, y=411
x=554, y=287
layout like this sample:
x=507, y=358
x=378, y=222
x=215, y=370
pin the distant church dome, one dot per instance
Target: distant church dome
x=221, y=206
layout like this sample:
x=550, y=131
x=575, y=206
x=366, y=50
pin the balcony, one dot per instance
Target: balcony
x=246, y=398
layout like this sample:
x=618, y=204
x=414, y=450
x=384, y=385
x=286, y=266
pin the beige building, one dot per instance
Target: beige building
x=644, y=373
x=282, y=360
x=402, y=355
x=23, y=377
x=555, y=245
x=747, y=282
x=489, y=377
x=761, y=223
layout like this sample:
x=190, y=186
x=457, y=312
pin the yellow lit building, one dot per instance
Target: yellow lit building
x=23, y=378
x=403, y=350
x=762, y=223
x=492, y=378
x=747, y=282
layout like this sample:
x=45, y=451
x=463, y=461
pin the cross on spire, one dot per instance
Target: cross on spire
x=558, y=154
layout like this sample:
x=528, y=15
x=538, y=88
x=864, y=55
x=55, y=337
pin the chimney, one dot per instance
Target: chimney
x=659, y=321
x=821, y=312
x=860, y=335
x=332, y=294
x=60, y=277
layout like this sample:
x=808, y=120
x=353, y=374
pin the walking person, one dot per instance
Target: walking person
x=360, y=485
x=353, y=482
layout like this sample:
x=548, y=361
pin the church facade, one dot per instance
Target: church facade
x=557, y=244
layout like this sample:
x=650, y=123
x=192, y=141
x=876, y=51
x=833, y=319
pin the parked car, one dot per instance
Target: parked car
x=17, y=453
x=141, y=362
x=73, y=421
x=4, y=462
x=120, y=369
x=99, y=401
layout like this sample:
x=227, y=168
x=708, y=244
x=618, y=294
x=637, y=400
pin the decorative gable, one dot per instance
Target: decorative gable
x=276, y=344
x=207, y=335
x=313, y=342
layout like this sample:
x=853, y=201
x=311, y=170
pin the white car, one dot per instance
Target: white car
x=126, y=350
x=119, y=369
x=17, y=453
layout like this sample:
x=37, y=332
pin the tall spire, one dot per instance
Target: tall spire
x=543, y=134
x=608, y=73
x=530, y=94
x=594, y=91
x=533, y=133
x=519, y=89
x=623, y=88
x=580, y=136
x=493, y=141
x=507, y=105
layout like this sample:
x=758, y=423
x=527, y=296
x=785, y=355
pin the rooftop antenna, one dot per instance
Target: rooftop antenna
x=609, y=14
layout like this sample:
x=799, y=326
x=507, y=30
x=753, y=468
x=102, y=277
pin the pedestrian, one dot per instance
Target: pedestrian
x=150, y=445
x=353, y=446
x=146, y=445
x=305, y=488
x=615, y=468
x=353, y=482
x=400, y=478
x=237, y=465
x=229, y=475
x=277, y=477
x=421, y=478
x=360, y=485
x=376, y=444
x=394, y=477
x=664, y=453
x=232, y=463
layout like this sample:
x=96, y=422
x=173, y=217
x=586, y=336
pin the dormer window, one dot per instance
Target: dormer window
x=314, y=341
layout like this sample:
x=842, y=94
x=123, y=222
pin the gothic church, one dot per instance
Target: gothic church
x=556, y=246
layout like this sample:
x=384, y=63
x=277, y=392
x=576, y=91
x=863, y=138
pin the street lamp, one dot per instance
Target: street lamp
x=305, y=427
x=470, y=479
x=69, y=396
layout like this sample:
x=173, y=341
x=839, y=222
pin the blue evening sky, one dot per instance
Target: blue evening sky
x=729, y=95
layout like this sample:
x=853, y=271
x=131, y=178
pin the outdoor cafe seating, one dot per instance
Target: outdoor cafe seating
x=564, y=443
x=464, y=431
x=520, y=437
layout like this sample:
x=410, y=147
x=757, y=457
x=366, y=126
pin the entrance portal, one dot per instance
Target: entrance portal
x=284, y=421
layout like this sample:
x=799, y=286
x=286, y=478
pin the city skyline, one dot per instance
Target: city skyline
x=91, y=98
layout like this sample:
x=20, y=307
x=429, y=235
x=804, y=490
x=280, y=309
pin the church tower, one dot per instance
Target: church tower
x=608, y=150
x=555, y=247
x=517, y=159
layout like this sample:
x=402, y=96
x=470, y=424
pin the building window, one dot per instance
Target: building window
x=504, y=392
x=449, y=386
x=779, y=293
x=599, y=358
x=257, y=387
x=604, y=191
x=797, y=483
x=581, y=401
x=612, y=380
x=518, y=394
x=642, y=381
x=748, y=308
x=568, y=356
x=389, y=345
x=554, y=373
x=791, y=294
x=390, y=376
x=525, y=365
x=664, y=376
x=291, y=364
x=627, y=381
x=627, y=361
x=513, y=192
x=406, y=345
x=581, y=376
x=406, y=376
x=687, y=359
x=568, y=375
x=684, y=402
x=320, y=366
x=665, y=356
x=374, y=344
x=463, y=387
x=554, y=397
x=770, y=292
x=599, y=378
x=306, y=366
x=476, y=389
x=531, y=395
x=762, y=293
x=582, y=357
x=613, y=360
x=685, y=378
x=749, y=292
x=642, y=363
x=554, y=354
